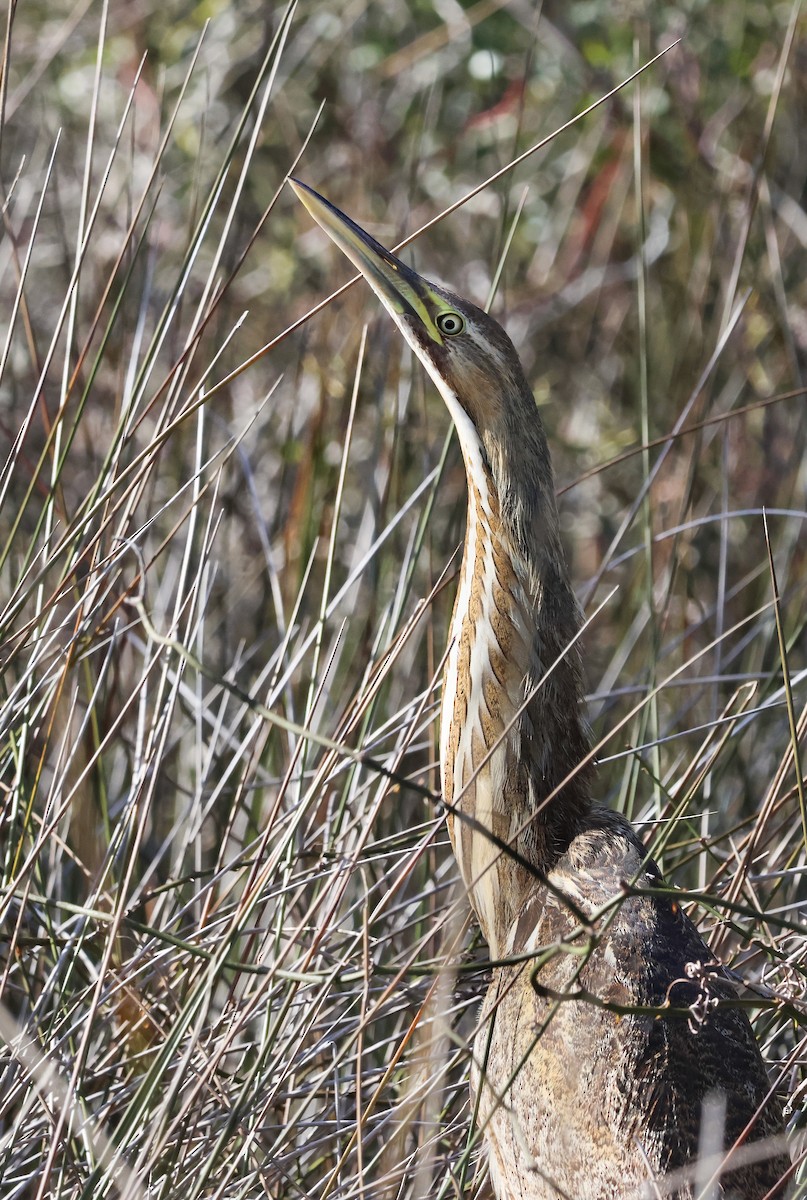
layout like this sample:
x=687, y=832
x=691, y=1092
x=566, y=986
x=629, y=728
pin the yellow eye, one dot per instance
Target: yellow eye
x=450, y=323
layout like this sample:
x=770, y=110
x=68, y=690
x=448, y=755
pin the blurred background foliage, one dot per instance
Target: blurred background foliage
x=421, y=103
x=636, y=298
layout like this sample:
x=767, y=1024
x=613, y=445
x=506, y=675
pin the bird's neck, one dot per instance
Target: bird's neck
x=513, y=734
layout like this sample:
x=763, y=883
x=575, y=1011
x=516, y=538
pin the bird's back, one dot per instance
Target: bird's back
x=588, y=1099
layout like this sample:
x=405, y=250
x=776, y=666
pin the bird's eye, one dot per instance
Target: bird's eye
x=450, y=323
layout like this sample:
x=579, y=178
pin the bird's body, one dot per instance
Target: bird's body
x=598, y=1101
x=601, y=1040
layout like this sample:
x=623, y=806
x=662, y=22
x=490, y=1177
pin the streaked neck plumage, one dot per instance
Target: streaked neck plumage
x=512, y=730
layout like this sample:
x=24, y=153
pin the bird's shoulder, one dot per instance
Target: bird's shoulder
x=648, y=950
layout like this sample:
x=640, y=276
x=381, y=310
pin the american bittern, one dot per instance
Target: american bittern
x=604, y=1037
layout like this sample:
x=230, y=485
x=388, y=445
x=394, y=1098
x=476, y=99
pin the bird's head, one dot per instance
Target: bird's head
x=468, y=355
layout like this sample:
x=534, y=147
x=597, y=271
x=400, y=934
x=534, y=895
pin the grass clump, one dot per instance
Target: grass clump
x=236, y=960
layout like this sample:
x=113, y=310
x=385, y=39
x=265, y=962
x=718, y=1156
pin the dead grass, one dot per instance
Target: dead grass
x=236, y=960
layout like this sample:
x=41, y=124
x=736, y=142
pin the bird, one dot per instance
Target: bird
x=612, y=1061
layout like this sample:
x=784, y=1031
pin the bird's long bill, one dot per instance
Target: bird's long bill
x=401, y=290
